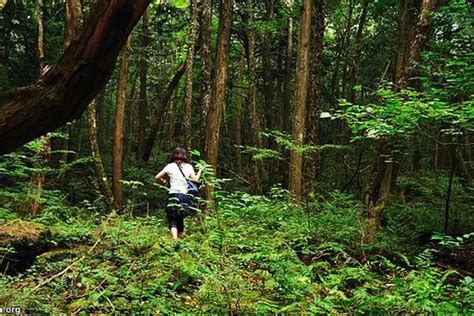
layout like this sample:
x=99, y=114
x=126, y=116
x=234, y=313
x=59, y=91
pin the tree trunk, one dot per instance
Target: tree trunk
x=40, y=41
x=73, y=21
x=238, y=117
x=377, y=192
x=270, y=110
x=378, y=189
x=299, y=117
x=354, y=67
x=341, y=49
x=160, y=112
x=188, y=92
x=255, y=127
x=314, y=93
x=405, y=39
x=118, y=129
x=38, y=178
x=64, y=92
x=73, y=14
x=99, y=167
x=205, y=70
x=286, y=96
x=171, y=118
x=214, y=115
x=142, y=73
x=286, y=87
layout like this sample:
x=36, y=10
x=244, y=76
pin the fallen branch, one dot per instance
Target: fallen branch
x=69, y=267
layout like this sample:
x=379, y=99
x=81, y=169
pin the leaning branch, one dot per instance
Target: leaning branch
x=64, y=91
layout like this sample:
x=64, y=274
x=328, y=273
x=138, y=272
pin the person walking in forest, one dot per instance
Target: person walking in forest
x=180, y=201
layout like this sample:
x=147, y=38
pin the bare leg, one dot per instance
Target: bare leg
x=174, y=232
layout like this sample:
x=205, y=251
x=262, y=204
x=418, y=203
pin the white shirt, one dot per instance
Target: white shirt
x=178, y=183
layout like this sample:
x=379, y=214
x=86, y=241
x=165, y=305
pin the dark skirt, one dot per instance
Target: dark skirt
x=180, y=205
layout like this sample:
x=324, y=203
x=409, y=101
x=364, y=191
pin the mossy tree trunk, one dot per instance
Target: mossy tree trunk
x=302, y=74
x=118, y=128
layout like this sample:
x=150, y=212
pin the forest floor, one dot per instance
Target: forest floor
x=254, y=254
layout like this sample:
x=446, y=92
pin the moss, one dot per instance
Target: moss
x=20, y=243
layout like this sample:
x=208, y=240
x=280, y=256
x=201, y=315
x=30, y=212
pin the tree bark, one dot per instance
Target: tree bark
x=287, y=81
x=73, y=13
x=214, y=116
x=73, y=23
x=118, y=129
x=255, y=127
x=341, y=49
x=172, y=118
x=314, y=93
x=238, y=117
x=40, y=41
x=299, y=117
x=377, y=192
x=270, y=110
x=355, y=65
x=286, y=88
x=188, y=91
x=38, y=178
x=378, y=188
x=98, y=165
x=64, y=92
x=405, y=39
x=160, y=112
x=143, y=74
x=205, y=41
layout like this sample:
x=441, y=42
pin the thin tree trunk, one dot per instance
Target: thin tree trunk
x=38, y=178
x=254, y=121
x=172, y=117
x=98, y=165
x=299, y=117
x=238, y=117
x=355, y=65
x=405, y=39
x=142, y=73
x=314, y=94
x=130, y=115
x=287, y=87
x=188, y=92
x=377, y=192
x=341, y=49
x=449, y=189
x=118, y=129
x=157, y=118
x=214, y=116
x=73, y=19
x=205, y=70
x=268, y=86
x=40, y=41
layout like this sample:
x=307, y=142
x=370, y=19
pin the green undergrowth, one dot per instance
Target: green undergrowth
x=254, y=254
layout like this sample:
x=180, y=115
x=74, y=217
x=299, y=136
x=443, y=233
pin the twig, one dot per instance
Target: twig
x=99, y=239
x=457, y=269
x=67, y=268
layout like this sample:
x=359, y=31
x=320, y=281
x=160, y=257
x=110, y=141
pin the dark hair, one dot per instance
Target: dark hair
x=180, y=154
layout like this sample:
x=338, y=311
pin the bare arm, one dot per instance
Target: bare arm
x=195, y=177
x=160, y=177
